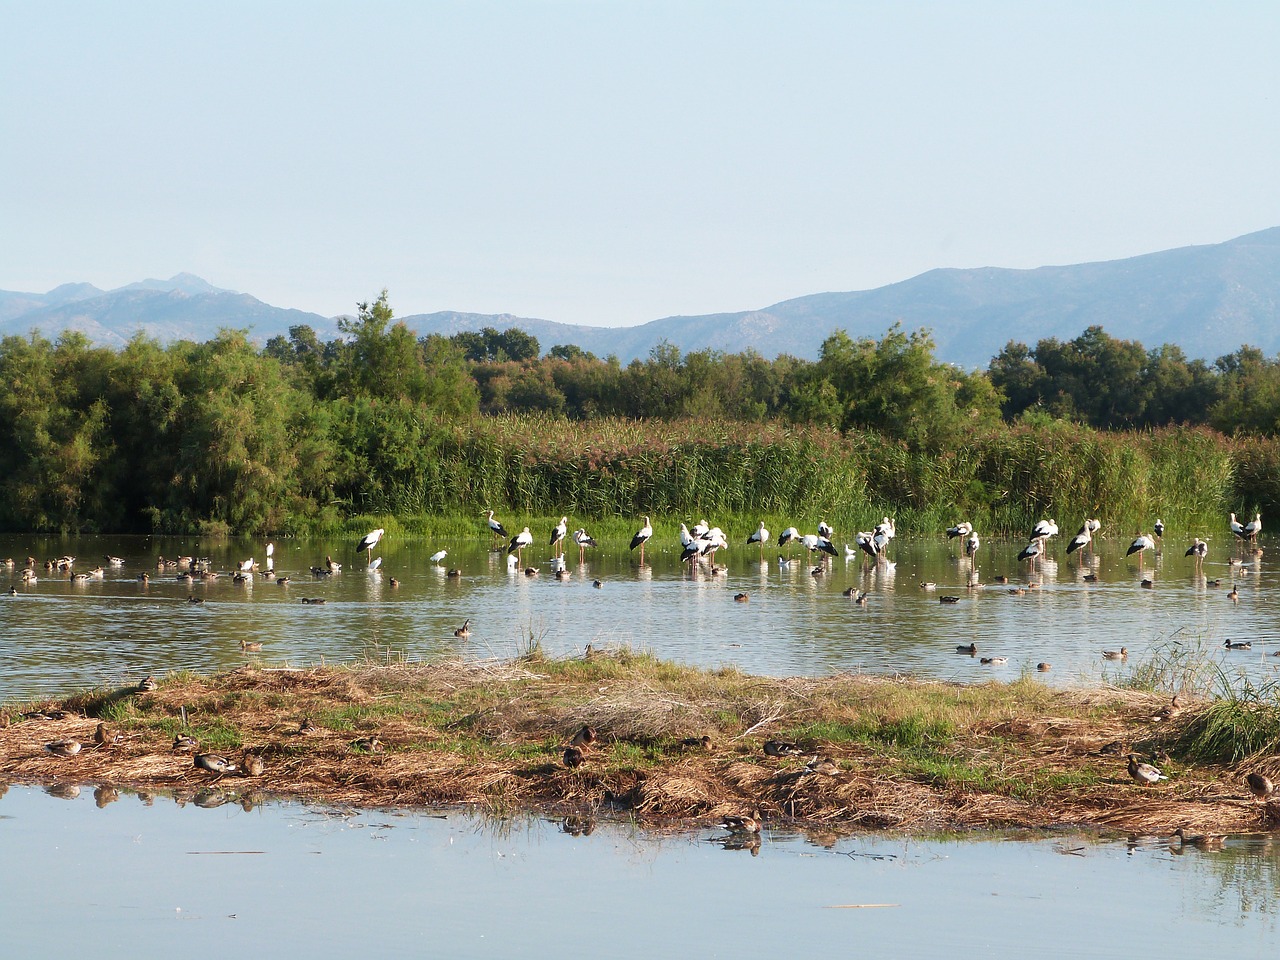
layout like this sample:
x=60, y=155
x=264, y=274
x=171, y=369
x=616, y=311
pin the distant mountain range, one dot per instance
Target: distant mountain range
x=1208, y=300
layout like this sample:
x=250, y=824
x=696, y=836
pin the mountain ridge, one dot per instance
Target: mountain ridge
x=1208, y=299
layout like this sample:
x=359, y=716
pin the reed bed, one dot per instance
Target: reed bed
x=871, y=752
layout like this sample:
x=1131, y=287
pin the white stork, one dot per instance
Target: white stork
x=1081, y=539
x=369, y=541
x=1199, y=550
x=583, y=540
x=961, y=529
x=971, y=544
x=1141, y=543
x=271, y=557
x=1237, y=527
x=1253, y=528
x=700, y=528
x=1044, y=530
x=642, y=537
x=760, y=537
x=826, y=530
x=521, y=540
x=439, y=555
x=1158, y=527
x=713, y=540
x=497, y=532
x=1031, y=551
x=558, y=532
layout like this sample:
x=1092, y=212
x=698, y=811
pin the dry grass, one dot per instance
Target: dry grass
x=908, y=755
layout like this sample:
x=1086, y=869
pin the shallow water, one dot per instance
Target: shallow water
x=56, y=635
x=132, y=879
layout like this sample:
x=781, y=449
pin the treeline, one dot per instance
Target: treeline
x=298, y=435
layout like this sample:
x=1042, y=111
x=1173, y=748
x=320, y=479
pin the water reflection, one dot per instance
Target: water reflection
x=331, y=883
x=60, y=635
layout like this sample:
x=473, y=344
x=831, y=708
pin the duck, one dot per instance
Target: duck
x=248, y=647
x=1203, y=841
x=1169, y=710
x=782, y=748
x=1238, y=644
x=742, y=597
x=574, y=757
x=586, y=735
x=184, y=744
x=597, y=584
x=314, y=600
x=995, y=661
x=948, y=599
x=332, y=565
x=1260, y=786
x=213, y=763
x=742, y=824
x=1044, y=667
x=696, y=743
x=368, y=744
x=147, y=684
x=253, y=765
x=63, y=748
x=969, y=648
x=463, y=631
x=1121, y=654
x=1144, y=773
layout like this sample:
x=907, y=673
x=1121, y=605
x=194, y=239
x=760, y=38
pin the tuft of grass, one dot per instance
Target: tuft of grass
x=1241, y=723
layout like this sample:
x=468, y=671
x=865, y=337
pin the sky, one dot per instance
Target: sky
x=610, y=162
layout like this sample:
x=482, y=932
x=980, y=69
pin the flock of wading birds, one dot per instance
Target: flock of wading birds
x=698, y=544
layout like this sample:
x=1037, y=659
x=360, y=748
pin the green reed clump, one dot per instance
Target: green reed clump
x=1241, y=723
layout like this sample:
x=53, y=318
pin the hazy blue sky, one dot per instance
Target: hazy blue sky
x=612, y=162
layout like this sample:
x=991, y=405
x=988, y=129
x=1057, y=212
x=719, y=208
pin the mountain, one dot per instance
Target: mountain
x=1208, y=300
x=183, y=307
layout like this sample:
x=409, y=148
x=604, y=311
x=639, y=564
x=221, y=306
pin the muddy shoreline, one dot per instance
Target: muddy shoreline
x=863, y=752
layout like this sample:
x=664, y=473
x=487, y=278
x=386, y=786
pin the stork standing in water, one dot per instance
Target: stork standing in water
x=1199, y=550
x=961, y=529
x=642, y=537
x=760, y=537
x=1253, y=528
x=789, y=535
x=1237, y=527
x=369, y=541
x=497, y=532
x=824, y=530
x=271, y=557
x=1081, y=540
x=1043, y=531
x=1140, y=544
x=583, y=540
x=556, y=541
x=1159, y=529
x=521, y=540
x=971, y=544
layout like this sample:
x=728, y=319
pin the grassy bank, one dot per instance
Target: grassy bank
x=899, y=754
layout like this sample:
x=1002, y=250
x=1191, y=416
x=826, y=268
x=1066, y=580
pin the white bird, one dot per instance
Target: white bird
x=1199, y=550
x=1044, y=530
x=642, y=537
x=1081, y=539
x=824, y=529
x=558, y=532
x=438, y=556
x=1140, y=543
x=1253, y=527
x=971, y=544
x=1031, y=551
x=271, y=555
x=761, y=537
x=961, y=529
x=496, y=530
x=711, y=541
x=686, y=538
x=1237, y=527
x=521, y=540
x=247, y=565
x=1144, y=773
x=850, y=552
x=1094, y=525
x=787, y=535
x=886, y=527
x=584, y=540
x=369, y=541
x=1158, y=527
x=700, y=528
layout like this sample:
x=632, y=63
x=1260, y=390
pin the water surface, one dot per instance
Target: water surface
x=57, y=635
x=132, y=879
